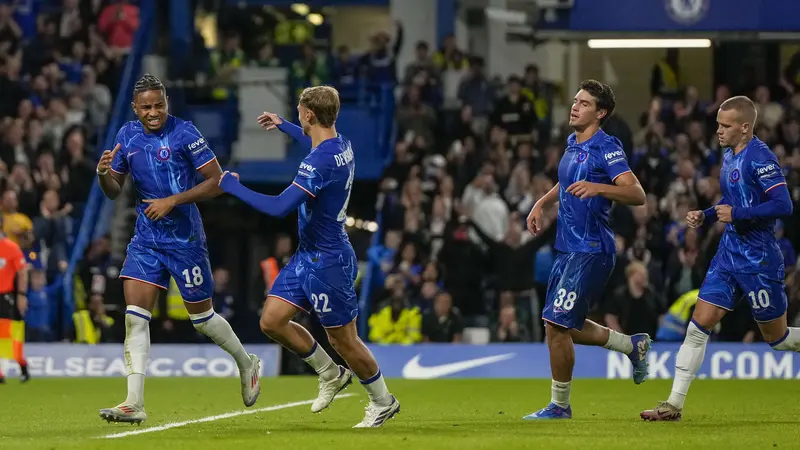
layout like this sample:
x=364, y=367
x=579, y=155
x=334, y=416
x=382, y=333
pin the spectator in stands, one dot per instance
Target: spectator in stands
x=399, y=322
x=465, y=269
x=449, y=56
x=379, y=64
x=311, y=70
x=477, y=92
x=225, y=62
x=78, y=172
x=515, y=113
x=443, y=322
x=38, y=324
x=666, y=77
x=117, y=24
x=53, y=230
x=415, y=118
x=97, y=98
x=16, y=225
x=265, y=57
x=509, y=328
x=422, y=63
x=344, y=73
x=635, y=307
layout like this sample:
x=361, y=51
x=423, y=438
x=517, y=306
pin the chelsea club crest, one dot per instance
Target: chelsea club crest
x=686, y=11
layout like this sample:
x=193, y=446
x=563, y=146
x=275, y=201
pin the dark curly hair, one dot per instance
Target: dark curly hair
x=148, y=83
x=604, y=96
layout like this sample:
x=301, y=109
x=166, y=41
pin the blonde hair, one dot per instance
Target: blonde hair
x=323, y=102
x=744, y=106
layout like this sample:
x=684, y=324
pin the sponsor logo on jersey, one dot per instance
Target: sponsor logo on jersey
x=766, y=170
x=614, y=154
x=163, y=154
x=198, y=146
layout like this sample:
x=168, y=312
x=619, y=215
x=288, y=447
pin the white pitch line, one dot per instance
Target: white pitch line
x=215, y=418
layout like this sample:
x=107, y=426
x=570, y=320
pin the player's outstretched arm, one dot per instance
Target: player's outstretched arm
x=274, y=205
x=269, y=120
x=206, y=190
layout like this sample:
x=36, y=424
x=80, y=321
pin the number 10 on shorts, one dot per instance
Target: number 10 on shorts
x=565, y=300
x=321, y=298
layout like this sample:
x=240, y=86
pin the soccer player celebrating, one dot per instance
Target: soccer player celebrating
x=322, y=273
x=749, y=261
x=592, y=173
x=161, y=153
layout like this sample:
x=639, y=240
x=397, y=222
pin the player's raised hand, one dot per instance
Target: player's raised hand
x=534, y=220
x=724, y=213
x=694, y=218
x=269, y=121
x=159, y=207
x=227, y=180
x=584, y=189
x=105, y=160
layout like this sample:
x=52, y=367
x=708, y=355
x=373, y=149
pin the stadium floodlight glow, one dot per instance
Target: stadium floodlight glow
x=300, y=8
x=315, y=19
x=649, y=43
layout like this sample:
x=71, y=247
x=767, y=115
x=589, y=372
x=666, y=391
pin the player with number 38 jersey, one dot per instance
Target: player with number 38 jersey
x=321, y=275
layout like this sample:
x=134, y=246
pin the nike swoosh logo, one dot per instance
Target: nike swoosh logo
x=133, y=153
x=413, y=369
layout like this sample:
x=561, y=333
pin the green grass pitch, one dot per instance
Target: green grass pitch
x=437, y=414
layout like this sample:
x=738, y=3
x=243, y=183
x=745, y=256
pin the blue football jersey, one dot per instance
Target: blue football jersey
x=326, y=174
x=162, y=164
x=583, y=224
x=750, y=246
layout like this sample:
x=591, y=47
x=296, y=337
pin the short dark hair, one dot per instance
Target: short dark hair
x=604, y=96
x=744, y=106
x=148, y=83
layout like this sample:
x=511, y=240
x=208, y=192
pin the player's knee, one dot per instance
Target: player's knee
x=270, y=325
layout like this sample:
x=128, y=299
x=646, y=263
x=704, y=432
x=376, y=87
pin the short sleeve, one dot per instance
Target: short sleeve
x=120, y=163
x=199, y=153
x=19, y=258
x=615, y=162
x=311, y=175
x=767, y=173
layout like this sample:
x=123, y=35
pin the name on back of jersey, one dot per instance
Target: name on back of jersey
x=198, y=146
x=344, y=158
x=615, y=157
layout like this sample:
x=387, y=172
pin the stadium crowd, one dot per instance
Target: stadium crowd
x=467, y=170
x=60, y=62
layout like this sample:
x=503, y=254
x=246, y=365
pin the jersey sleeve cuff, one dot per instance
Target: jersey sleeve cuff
x=206, y=163
x=117, y=171
x=306, y=190
x=621, y=174
x=783, y=183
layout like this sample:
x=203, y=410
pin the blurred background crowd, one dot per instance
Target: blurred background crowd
x=471, y=152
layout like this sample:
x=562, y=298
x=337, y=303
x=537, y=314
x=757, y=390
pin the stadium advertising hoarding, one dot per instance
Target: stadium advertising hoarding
x=722, y=361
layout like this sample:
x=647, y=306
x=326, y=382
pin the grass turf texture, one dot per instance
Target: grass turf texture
x=436, y=414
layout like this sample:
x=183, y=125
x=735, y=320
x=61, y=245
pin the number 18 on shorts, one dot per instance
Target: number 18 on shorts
x=576, y=282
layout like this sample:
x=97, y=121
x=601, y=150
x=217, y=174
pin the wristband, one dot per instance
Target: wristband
x=101, y=173
x=22, y=294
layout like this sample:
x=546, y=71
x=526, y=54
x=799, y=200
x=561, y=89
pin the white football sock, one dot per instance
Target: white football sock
x=377, y=390
x=137, y=350
x=321, y=362
x=687, y=363
x=559, y=393
x=789, y=342
x=619, y=342
x=219, y=330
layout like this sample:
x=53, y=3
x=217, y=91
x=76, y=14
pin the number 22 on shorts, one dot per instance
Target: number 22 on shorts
x=565, y=300
x=323, y=299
